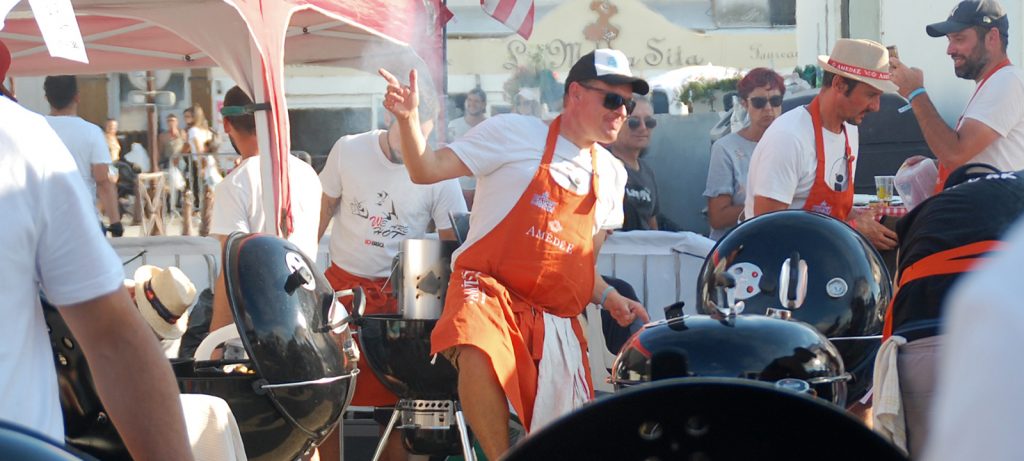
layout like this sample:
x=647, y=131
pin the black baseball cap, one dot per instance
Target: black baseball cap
x=984, y=13
x=609, y=66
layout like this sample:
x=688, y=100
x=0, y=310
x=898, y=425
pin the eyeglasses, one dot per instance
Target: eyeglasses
x=634, y=122
x=613, y=101
x=759, y=101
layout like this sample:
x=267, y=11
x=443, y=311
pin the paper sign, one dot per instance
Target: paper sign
x=5, y=8
x=57, y=22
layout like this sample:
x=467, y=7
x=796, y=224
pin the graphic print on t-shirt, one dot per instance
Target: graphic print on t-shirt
x=383, y=220
x=836, y=176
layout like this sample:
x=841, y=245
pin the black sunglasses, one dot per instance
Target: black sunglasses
x=634, y=122
x=759, y=101
x=613, y=101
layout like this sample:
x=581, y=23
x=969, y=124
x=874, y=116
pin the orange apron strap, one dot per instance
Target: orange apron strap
x=952, y=261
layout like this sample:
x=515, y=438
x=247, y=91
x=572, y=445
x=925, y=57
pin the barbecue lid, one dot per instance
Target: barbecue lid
x=280, y=303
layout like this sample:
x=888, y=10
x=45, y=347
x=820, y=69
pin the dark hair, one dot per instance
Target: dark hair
x=60, y=90
x=758, y=78
x=479, y=92
x=827, y=79
x=244, y=123
x=982, y=30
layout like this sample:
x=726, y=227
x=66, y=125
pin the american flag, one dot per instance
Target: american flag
x=516, y=14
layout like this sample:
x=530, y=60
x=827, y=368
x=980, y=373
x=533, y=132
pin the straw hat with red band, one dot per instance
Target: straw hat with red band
x=862, y=60
x=163, y=296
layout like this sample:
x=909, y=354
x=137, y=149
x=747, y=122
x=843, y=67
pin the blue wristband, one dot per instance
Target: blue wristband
x=604, y=295
x=910, y=99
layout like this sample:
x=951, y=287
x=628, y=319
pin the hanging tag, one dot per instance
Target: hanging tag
x=59, y=26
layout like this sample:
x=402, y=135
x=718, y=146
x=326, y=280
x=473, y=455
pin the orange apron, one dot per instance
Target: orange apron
x=379, y=300
x=538, y=259
x=952, y=261
x=940, y=181
x=823, y=199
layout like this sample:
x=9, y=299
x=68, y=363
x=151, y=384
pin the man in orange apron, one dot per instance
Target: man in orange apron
x=932, y=257
x=545, y=196
x=807, y=157
x=991, y=128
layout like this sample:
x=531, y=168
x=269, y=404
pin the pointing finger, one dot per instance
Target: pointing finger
x=388, y=76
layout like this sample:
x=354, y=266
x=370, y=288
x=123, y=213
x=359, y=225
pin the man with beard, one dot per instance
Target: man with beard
x=991, y=128
x=807, y=157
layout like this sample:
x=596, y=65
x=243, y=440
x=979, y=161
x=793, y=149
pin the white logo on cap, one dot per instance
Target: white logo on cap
x=611, y=62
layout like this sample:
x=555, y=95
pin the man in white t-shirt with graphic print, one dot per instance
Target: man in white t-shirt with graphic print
x=238, y=199
x=375, y=206
x=86, y=143
x=807, y=157
x=991, y=128
x=546, y=195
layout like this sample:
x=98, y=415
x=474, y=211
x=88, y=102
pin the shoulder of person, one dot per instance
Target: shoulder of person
x=605, y=160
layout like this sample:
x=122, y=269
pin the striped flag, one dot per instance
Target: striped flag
x=516, y=14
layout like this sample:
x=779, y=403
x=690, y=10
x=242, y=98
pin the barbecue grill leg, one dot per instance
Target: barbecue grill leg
x=387, y=434
x=467, y=447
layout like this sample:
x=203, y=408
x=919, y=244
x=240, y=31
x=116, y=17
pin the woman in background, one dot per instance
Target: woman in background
x=760, y=92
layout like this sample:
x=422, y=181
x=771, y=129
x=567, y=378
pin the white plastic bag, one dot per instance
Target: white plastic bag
x=915, y=180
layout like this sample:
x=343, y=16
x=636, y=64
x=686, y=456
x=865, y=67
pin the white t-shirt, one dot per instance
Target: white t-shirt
x=456, y=129
x=998, y=105
x=379, y=205
x=977, y=411
x=198, y=137
x=86, y=143
x=504, y=151
x=238, y=203
x=51, y=242
x=784, y=164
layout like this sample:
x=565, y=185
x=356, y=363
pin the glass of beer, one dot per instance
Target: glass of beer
x=884, y=186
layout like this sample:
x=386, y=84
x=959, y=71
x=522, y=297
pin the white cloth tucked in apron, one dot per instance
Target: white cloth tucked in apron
x=889, y=420
x=561, y=377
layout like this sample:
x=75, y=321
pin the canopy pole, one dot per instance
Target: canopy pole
x=259, y=92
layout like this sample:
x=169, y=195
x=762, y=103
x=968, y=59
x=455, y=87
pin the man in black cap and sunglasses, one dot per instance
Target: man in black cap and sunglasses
x=991, y=128
x=546, y=195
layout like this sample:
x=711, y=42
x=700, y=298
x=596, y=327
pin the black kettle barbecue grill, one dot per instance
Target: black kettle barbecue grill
x=397, y=347
x=790, y=354
x=296, y=381
x=808, y=267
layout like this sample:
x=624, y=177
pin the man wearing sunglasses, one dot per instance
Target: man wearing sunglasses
x=807, y=157
x=640, y=207
x=546, y=195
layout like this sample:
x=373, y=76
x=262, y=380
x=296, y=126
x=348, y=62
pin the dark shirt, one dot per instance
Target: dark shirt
x=641, y=200
x=971, y=212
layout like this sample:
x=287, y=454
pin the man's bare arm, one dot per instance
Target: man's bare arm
x=328, y=205
x=722, y=213
x=106, y=192
x=764, y=205
x=221, y=315
x=425, y=165
x=952, y=147
x=132, y=376
x=621, y=308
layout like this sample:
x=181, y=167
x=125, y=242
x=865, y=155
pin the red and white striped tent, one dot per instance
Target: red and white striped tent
x=251, y=40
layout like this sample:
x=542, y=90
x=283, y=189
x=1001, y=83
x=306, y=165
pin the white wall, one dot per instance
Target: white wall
x=818, y=25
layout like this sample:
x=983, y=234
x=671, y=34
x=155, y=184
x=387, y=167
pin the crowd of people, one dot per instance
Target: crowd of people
x=545, y=193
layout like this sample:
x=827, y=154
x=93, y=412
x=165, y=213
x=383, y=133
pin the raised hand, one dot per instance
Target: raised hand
x=401, y=100
x=906, y=78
